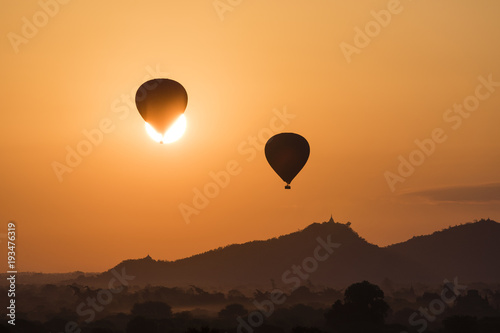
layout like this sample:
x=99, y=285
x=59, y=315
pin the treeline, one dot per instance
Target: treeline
x=362, y=307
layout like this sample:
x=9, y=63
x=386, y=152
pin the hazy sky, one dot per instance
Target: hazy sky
x=361, y=80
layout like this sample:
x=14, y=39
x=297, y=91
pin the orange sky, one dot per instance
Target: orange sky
x=360, y=110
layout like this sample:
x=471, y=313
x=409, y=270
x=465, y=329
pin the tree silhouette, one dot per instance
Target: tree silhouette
x=235, y=295
x=141, y=325
x=363, y=309
x=232, y=311
x=204, y=329
x=460, y=324
x=300, y=329
x=101, y=330
x=368, y=301
x=472, y=304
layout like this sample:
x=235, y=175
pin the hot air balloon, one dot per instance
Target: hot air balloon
x=287, y=153
x=161, y=102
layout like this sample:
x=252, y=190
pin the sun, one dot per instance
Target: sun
x=173, y=133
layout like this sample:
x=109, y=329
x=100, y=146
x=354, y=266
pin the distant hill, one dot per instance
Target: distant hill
x=468, y=251
x=44, y=278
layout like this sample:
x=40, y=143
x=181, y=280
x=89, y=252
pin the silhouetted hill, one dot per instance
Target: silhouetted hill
x=467, y=251
x=43, y=278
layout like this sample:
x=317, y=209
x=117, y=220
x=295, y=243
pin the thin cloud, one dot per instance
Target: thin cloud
x=466, y=194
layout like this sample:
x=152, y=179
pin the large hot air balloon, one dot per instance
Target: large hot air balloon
x=287, y=153
x=161, y=102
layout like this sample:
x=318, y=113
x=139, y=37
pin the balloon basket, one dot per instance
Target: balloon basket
x=287, y=187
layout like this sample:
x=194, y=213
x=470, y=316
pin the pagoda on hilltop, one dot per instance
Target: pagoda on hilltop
x=348, y=224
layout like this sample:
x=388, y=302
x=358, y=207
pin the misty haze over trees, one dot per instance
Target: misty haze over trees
x=445, y=282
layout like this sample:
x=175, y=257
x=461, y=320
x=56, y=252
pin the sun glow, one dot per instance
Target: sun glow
x=173, y=134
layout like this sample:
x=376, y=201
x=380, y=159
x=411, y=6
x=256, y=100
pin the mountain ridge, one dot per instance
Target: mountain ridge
x=466, y=250
x=420, y=259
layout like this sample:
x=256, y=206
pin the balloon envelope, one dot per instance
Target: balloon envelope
x=160, y=102
x=287, y=153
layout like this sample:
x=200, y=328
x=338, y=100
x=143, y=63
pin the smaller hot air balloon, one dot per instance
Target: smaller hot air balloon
x=161, y=102
x=287, y=153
